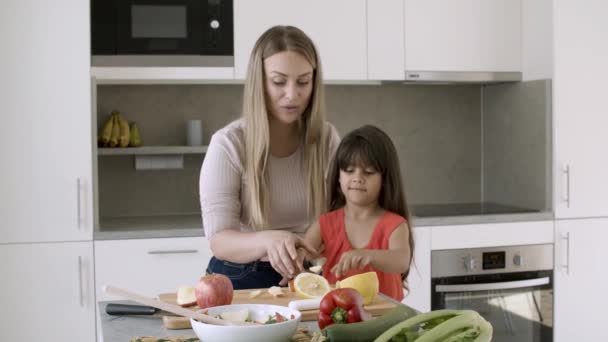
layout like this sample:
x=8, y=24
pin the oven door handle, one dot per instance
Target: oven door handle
x=507, y=285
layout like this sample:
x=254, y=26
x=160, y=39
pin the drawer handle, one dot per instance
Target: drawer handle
x=566, y=265
x=566, y=195
x=78, y=213
x=175, y=251
x=80, y=289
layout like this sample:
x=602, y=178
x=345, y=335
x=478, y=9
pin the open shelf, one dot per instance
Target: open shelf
x=150, y=150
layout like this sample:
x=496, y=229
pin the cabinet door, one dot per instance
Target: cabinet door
x=150, y=266
x=580, y=276
x=337, y=28
x=579, y=109
x=46, y=140
x=385, y=40
x=462, y=35
x=47, y=292
x=419, y=279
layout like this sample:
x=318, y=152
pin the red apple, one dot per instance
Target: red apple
x=213, y=290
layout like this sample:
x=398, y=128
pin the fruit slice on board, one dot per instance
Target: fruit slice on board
x=310, y=285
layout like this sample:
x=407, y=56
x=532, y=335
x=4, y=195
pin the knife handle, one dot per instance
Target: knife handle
x=129, y=309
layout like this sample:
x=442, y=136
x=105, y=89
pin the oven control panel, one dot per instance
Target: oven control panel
x=459, y=262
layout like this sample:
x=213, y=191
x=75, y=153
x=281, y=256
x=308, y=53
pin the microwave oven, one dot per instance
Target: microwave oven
x=186, y=33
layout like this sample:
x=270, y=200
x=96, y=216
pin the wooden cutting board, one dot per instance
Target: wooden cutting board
x=380, y=305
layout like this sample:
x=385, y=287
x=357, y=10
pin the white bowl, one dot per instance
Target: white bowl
x=275, y=332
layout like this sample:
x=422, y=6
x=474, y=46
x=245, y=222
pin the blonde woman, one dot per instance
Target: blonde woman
x=263, y=178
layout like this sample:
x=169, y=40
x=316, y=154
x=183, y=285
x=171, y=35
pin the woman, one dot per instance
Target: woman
x=263, y=178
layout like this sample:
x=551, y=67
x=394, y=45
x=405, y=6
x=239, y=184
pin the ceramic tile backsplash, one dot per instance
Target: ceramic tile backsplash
x=436, y=129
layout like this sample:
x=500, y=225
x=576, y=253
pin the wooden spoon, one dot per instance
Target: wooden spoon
x=172, y=308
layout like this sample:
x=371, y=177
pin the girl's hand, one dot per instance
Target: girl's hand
x=281, y=248
x=351, y=260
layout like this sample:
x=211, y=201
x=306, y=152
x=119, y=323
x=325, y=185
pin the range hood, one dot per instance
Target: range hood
x=461, y=77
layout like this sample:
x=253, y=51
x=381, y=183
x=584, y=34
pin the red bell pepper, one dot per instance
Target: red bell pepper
x=341, y=306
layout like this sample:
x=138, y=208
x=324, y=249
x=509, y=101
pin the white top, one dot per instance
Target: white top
x=222, y=181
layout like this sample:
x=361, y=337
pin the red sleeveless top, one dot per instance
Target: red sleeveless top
x=333, y=232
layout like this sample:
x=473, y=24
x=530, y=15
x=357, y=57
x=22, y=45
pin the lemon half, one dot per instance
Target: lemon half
x=310, y=285
x=365, y=283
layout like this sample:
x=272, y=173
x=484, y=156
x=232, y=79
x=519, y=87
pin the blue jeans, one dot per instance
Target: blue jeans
x=253, y=275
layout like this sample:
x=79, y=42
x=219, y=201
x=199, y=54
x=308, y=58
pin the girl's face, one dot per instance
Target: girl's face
x=360, y=185
x=289, y=82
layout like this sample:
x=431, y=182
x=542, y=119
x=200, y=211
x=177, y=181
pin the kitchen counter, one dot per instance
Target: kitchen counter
x=480, y=219
x=165, y=230
x=147, y=234
x=123, y=328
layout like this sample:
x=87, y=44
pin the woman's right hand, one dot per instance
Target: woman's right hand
x=282, y=250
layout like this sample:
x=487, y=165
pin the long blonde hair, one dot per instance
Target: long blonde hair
x=257, y=133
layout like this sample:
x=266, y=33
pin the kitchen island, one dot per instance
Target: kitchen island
x=124, y=328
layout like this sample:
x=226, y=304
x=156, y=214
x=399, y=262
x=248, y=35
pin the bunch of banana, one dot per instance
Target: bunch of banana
x=116, y=132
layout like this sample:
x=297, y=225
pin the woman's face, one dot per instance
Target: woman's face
x=360, y=185
x=289, y=82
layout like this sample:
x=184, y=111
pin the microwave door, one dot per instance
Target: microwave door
x=159, y=27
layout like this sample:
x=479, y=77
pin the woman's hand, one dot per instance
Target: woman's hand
x=355, y=259
x=303, y=254
x=282, y=250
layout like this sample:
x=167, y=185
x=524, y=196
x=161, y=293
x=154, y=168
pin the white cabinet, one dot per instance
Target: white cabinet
x=463, y=35
x=47, y=292
x=337, y=27
x=580, y=278
x=579, y=109
x=419, y=279
x=46, y=144
x=385, y=48
x=150, y=266
x=537, y=40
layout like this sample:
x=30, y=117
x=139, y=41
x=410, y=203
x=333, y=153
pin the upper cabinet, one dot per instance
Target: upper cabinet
x=46, y=146
x=462, y=36
x=579, y=109
x=337, y=27
x=385, y=48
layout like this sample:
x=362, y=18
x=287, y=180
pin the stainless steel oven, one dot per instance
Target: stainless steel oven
x=511, y=287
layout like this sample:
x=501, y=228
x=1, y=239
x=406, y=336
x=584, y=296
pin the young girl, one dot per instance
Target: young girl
x=366, y=228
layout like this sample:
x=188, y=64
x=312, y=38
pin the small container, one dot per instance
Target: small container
x=194, y=133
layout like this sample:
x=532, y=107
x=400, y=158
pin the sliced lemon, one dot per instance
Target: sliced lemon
x=310, y=285
x=365, y=283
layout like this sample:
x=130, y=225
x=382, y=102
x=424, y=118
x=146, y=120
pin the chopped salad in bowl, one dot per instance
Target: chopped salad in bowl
x=269, y=323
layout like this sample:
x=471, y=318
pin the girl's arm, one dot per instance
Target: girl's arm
x=395, y=259
x=313, y=235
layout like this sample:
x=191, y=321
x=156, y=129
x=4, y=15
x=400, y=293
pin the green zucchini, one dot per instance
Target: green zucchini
x=368, y=330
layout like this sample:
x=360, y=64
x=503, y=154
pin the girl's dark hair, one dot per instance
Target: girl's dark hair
x=370, y=146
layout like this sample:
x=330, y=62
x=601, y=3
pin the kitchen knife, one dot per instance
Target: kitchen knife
x=129, y=309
